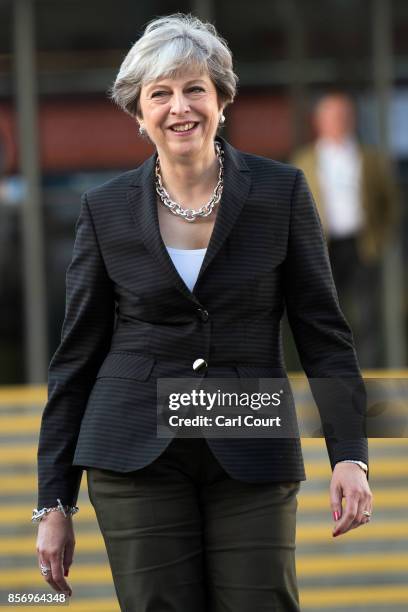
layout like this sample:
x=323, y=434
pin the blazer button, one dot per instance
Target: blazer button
x=204, y=314
x=199, y=365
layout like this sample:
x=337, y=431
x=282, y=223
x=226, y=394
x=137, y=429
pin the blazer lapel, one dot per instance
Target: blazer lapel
x=237, y=182
x=143, y=204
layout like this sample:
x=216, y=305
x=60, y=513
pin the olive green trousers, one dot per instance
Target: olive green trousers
x=182, y=536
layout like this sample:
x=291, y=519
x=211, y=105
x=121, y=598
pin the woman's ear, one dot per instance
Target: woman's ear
x=221, y=104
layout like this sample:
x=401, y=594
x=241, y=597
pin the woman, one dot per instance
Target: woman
x=181, y=269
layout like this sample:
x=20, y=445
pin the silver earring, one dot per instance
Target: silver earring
x=142, y=131
x=222, y=119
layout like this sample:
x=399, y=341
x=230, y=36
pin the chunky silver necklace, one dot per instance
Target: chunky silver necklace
x=189, y=214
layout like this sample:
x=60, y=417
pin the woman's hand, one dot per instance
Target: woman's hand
x=349, y=481
x=55, y=549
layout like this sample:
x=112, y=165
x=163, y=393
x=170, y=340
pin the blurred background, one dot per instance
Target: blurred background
x=60, y=135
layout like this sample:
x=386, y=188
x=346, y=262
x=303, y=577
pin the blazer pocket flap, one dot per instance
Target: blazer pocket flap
x=126, y=365
x=254, y=371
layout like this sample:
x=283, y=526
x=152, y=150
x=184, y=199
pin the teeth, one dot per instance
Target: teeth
x=183, y=128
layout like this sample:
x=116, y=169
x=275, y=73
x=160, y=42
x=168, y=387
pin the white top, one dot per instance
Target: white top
x=339, y=175
x=187, y=263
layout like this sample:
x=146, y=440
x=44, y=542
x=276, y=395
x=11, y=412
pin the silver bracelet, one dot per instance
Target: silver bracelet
x=38, y=515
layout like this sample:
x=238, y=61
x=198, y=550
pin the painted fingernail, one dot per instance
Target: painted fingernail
x=336, y=515
x=66, y=572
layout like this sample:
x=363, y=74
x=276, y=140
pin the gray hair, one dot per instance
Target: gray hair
x=167, y=46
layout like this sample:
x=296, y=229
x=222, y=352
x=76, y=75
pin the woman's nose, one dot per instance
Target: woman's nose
x=179, y=104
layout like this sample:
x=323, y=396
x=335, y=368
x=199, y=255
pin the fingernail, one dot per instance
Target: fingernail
x=66, y=572
x=336, y=515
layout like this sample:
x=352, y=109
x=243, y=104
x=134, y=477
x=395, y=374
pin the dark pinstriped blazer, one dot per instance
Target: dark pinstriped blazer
x=130, y=319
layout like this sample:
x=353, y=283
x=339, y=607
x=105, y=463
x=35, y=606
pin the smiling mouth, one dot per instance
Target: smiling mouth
x=185, y=127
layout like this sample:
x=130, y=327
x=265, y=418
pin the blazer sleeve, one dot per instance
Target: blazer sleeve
x=85, y=339
x=322, y=335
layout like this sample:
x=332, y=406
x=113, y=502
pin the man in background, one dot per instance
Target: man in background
x=356, y=197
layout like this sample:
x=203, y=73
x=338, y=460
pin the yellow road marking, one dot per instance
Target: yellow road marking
x=306, y=566
x=78, y=574
x=379, y=467
x=25, y=545
x=11, y=394
x=322, y=534
x=378, y=443
x=20, y=424
x=384, y=498
x=305, y=534
x=23, y=394
x=20, y=515
x=393, y=467
x=354, y=596
x=336, y=564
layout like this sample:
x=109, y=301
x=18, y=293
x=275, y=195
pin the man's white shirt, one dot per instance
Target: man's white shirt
x=339, y=175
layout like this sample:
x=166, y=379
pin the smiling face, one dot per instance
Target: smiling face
x=181, y=115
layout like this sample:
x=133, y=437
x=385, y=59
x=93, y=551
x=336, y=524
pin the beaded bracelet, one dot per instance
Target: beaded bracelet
x=38, y=515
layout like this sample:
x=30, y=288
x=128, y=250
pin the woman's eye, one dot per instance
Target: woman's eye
x=197, y=88
x=159, y=94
